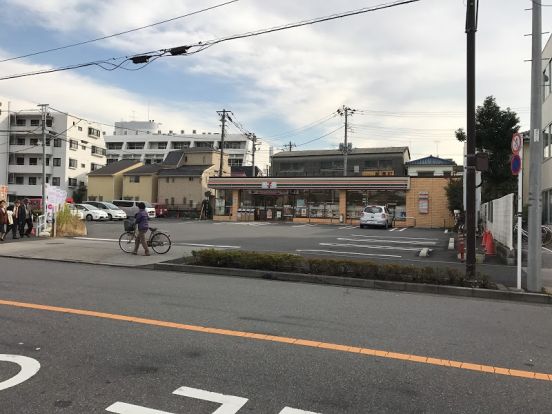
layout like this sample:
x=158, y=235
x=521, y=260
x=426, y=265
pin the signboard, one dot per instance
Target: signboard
x=515, y=164
x=517, y=142
x=267, y=185
x=4, y=192
x=423, y=203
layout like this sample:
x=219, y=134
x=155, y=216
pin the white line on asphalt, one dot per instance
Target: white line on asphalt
x=29, y=367
x=124, y=408
x=347, y=253
x=370, y=246
x=393, y=229
x=304, y=225
x=288, y=410
x=95, y=239
x=413, y=242
x=206, y=245
x=403, y=229
x=446, y=231
x=402, y=238
x=230, y=404
x=347, y=227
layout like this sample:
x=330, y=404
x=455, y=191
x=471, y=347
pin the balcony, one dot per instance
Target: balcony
x=25, y=190
x=27, y=169
x=27, y=149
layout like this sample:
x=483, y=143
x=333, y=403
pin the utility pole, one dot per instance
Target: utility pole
x=471, y=28
x=223, y=115
x=290, y=145
x=534, y=251
x=345, y=147
x=254, y=140
x=44, y=109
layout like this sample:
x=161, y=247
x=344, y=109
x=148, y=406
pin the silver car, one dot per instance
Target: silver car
x=376, y=216
x=113, y=212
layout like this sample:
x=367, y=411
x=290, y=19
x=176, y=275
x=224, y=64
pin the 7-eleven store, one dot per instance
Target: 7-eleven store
x=307, y=199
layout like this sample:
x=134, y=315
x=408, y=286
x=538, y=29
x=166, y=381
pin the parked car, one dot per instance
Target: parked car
x=376, y=216
x=130, y=207
x=160, y=210
x=91, y=212
x=113, y=212
x=75, y=212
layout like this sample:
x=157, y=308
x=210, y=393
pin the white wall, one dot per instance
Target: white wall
x=498, y=218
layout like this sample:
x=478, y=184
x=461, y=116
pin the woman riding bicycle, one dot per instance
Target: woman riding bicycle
x=142, y=224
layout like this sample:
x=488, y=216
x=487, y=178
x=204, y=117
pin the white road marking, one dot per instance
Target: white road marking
x=403, y=229
x=29, y=367
x=393, y=229
x=446, y=231
x=370, y=246
x=95, y=239
x=348, y=227
x=401, y=238
x=288, y=410
x=304, y=225
x=207, y=245
x=347, y=253
x=413, y=242
x=124, y=408
x=230, y=403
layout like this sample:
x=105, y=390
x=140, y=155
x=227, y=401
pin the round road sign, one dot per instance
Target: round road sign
x=517, y=142
x=515, y=164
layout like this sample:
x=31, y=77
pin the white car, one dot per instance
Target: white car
x=113, y=212
x=376, y=216
x=75, y=212
x=92, y=213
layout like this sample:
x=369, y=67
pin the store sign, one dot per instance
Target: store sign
x=268, y=185
x=3, y=192
x=423, y=203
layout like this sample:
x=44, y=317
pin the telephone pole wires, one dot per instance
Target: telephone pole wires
x=346, y=147
x=289, y=146
x=534, y=249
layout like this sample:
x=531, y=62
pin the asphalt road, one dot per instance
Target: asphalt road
x=394, y=245
x=92, y=361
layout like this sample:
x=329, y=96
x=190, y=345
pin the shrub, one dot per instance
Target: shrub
x=360, y=269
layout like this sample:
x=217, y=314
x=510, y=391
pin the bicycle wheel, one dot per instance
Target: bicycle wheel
x=546, y=235
x=127, y=242
x=160, y=243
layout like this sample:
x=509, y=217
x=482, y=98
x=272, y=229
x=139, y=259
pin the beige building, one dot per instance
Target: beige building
x=141, y=183
x=106, y=184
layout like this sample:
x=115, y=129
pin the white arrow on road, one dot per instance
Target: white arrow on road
x=230, y=403
x=124, y=408
x=289, y=410
x=29, y=367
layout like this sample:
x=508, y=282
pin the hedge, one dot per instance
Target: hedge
x=361, y=269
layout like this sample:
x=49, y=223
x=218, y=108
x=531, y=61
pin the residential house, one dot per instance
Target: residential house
x=106, y=184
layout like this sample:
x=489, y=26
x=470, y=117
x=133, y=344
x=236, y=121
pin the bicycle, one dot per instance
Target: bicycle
x=159, y=241
x=546, y=234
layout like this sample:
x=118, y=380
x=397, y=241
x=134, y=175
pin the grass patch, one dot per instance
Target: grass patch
x=360, y=269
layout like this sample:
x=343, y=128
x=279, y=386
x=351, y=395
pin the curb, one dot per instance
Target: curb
x=46, y=259
x=535, y=298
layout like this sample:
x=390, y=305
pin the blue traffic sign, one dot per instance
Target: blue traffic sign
x=515, y=164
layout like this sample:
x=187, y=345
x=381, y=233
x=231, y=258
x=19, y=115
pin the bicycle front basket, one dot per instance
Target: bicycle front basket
x=130, y=224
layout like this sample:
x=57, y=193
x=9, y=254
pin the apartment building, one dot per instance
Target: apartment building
x=144, y=141
x=74, y=147
x=547, y=134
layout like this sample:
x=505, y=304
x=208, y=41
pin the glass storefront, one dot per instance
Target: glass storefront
x=357, y=200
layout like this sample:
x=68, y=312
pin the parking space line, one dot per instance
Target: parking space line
x=482, y=369
x=401, y=238
x=403, y=229
x=370, y=246
x=393, y=229
x=412, y=242
x=207, y=245
x=349, y=253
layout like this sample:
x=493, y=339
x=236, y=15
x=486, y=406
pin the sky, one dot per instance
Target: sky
x=402, y=69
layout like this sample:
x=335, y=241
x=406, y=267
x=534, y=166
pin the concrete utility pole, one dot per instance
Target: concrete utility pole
x=534, y=253
x=223, y=115
x=254, y=141
x=345, y=148
x=289, y=145
x=44, y=109
x=471, y=28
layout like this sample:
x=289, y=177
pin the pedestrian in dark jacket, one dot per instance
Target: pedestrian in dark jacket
x=18, y=220
x=3, y=220
x=26, y=212
x=142, y=224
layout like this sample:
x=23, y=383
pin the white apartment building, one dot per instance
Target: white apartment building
x=547, y=134
x=144, y=141
x=74, y=147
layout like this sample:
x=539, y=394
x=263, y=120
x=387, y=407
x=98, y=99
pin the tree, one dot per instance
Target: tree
x=494, y=128
x=455, y=195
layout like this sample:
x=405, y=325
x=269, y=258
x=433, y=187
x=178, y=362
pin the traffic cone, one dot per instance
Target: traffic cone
x=484, y=239
x=490, y=246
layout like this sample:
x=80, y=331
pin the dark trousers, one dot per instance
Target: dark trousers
x=141, y=240
x=29, y=226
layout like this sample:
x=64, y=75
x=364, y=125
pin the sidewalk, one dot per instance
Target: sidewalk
x=87, y=251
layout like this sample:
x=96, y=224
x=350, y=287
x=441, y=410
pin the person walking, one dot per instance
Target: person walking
x=25, y=210
x=142, y=224
x=18, y=220
x=3, y=220
x=11, y=226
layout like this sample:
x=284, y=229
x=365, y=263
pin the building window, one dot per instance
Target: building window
x=55, y=181
x=35, y=122
x=57, y=162
x=94, y=167
x=79, y=128
x=98, y=151
x=57, y=142
x=47, y=162
x=235, y=162
x=134, y=178
x=93, y=132
x=21, y=122
x=33, y=142
x=425, y=174
x=11, y=178
x=180, y=145
x=47, y=179
x=33, y=161
x=158, y=145
x=547, y=142
x=32, y=180
x=19, y=180
x=72, y=182
x=74, y=145
x=20, y=161
x=546, y=80
x=234, y=144
x=20, y=141
x=114, y=145
x=190, y=178
x=49, y=122
x=135, y=145
x=72, y=163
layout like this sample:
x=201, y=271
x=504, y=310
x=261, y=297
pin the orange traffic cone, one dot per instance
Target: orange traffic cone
x=484, y=239
x=490, y=246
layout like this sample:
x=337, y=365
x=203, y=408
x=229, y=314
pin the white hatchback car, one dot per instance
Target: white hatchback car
x=113, y=212
x=91, y=212
x=376, y=216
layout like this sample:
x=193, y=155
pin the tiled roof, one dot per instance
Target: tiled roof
x=184, y=171
x=145, y=170
x=114, y=167
x=354, y=151
x=431, y=160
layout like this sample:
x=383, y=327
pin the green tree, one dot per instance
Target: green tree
x=455, y=195
x=494, y=128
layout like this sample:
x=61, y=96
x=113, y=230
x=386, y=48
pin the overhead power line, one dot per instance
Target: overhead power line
x=118, y=33
x=186, y=50
x=320, y=137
